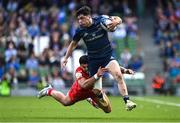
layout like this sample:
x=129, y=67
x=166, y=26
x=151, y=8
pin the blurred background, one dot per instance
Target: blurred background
x=35, y=34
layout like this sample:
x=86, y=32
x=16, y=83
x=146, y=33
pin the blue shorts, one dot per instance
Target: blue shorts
x=95, y=63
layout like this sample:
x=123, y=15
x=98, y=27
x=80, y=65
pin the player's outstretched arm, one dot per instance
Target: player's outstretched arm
x=88, y=83
x=71, y=47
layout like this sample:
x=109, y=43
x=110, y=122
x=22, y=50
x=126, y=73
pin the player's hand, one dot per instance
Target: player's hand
x=63, y=63
x=129, y=71
x=111, y=26
x=115, y=22
x=101, y=71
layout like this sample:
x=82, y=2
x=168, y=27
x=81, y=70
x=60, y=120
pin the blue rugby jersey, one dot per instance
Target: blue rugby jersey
x=95, y=38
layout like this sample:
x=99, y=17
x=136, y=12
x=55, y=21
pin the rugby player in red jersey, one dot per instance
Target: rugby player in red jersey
x=81, y=89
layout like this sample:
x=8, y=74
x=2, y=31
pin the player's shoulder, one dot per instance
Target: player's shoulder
x=99, y=18
x=79, y=70
x=102, y=16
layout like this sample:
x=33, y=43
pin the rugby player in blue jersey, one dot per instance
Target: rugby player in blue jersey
x=99, y=49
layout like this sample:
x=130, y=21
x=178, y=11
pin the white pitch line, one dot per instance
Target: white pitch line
x=157, y=101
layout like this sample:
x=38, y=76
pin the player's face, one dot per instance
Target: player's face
x=85, y=66
x=84, y=21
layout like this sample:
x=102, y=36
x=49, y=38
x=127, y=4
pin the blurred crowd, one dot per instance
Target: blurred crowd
x=34, y=36
x=167, y=37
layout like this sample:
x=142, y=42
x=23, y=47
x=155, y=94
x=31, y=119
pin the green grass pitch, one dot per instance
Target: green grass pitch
x=31, y=109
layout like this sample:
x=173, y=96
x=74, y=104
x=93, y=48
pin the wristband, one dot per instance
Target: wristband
x=96, y=77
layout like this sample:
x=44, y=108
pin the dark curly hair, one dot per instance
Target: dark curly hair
x=83, y=59
x=84, y=10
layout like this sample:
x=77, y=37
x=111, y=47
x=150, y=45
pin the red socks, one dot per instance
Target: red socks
x=49, y=92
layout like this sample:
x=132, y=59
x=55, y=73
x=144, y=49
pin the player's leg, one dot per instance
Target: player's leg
x=60, y=97
x=98, y=84
x=115, y=71
x=99, y=94
x=103, y=103
x=57, y=95
x=98, y=99
x=93, y=66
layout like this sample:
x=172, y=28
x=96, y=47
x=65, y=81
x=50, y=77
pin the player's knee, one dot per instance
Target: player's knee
x=65, y=103
x=108, y=110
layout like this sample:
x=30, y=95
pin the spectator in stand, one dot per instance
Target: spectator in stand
x=10, y=51
x=33, y=79
x=32, y=62
x=65, y=35
x=105, y=8
x=125, y=57
x=21, y=33
x=43, y=58
x=169, y=51
x=33, y=29
x=53, y=59
x=158, y=83
x=57, y=81
x=67, y=77
x=5, y=87
x=14, y=63
x=132, y=28
x=2, y=69
x=43, y=28
x=55, y=44
x=65, y=46
x=174, y=66
x=136, y=64
x=12, y=77
x=2, y=24
x=12, y=5
x=177, y=79
x=22, y=53
x=176, y=43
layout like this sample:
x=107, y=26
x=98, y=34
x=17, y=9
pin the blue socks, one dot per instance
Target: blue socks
x=125, y=98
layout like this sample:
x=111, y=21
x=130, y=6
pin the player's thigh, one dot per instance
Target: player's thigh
x=114, y=68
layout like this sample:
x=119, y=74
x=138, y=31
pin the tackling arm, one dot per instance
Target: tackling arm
x=88, y=83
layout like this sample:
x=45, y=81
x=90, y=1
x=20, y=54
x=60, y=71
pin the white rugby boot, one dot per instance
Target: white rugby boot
x=44, y=92
x=130, y=105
